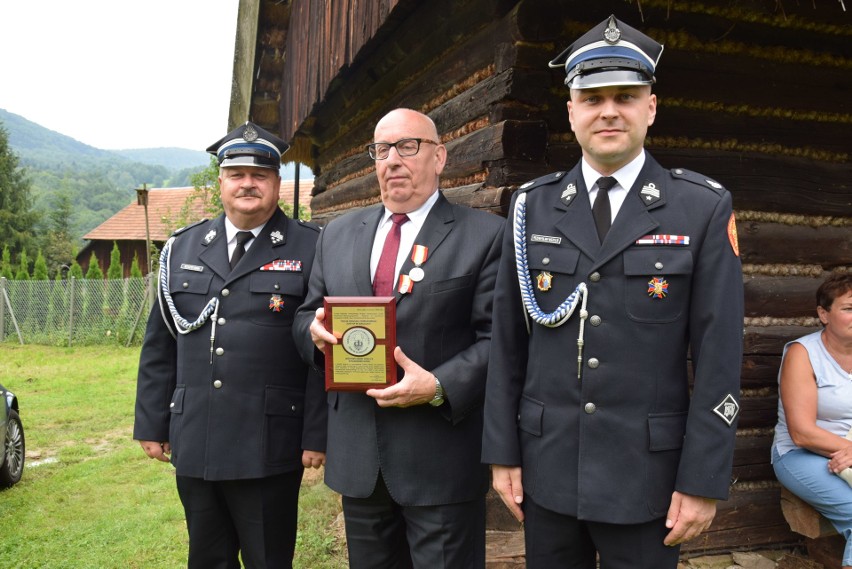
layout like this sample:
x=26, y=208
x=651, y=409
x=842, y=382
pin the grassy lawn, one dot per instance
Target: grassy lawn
x=89, y=497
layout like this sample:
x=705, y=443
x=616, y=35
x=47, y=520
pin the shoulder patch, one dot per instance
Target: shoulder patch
x=696, y=178
x=542, y=181
x=187, y=227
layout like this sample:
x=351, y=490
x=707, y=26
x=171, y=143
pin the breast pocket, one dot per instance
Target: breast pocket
x=657, y=283
x=275, y=297
x=552, y=270
x=190, y=291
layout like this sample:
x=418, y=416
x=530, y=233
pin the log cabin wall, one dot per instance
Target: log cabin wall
x=754, y=93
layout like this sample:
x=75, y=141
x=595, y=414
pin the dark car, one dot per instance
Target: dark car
x=12, y=432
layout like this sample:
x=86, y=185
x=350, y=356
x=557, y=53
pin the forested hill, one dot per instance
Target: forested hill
x=98, y=182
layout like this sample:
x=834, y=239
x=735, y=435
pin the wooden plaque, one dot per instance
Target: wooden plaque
x=365, y=328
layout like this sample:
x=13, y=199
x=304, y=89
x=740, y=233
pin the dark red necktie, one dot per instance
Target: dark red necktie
x=386, y=270
x=601, y=210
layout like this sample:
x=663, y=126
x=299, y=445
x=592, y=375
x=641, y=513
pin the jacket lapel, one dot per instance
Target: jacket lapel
x=576, y=222
x=214, y=245
x=362, y=249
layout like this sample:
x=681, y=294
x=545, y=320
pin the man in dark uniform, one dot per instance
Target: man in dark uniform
x=611, y=274
x=221, y=387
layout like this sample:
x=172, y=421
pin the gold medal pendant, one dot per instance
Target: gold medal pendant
x=544, y=281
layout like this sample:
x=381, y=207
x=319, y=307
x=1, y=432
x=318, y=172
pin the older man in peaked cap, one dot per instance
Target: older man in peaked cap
x=611, y=273
x=222, y=393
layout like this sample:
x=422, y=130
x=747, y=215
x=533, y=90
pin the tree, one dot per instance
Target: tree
x=23, y=273
x=17, y=216
x=206, y=184
x=40, y=268
x=206, y=191
x=115, y=271
x=94, y=272
x=76, y=270
x=6, y=264
x=59, y=240
x=135, y=271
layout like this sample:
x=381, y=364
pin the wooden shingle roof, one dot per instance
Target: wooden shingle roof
x=164, y=208
x=163, y=204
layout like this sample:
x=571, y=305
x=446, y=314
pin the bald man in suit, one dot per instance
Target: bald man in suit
x=406, y=457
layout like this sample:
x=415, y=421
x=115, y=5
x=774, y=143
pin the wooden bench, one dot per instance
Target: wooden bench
x=822, y=540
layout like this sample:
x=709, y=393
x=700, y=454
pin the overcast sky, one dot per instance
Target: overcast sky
x=116, y=74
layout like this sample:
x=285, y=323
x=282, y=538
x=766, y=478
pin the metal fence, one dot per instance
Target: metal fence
x=74, y=311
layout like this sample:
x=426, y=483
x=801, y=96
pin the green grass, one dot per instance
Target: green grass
x=103, y=504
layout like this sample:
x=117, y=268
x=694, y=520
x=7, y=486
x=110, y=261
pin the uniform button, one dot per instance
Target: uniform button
x=185, y=285
x=217, y=384
x=590, y=408
x=594, y=363
x=595, y=277
x=172, y=405
x=595, y=320
x=293, y=408
x=221, y=322
x=225, y=292
x=678, y=171
x=276, y=287
x=545, y=261
x=658, y=265
x=220, y=351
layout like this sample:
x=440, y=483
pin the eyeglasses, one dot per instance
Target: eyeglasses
x=404, y=147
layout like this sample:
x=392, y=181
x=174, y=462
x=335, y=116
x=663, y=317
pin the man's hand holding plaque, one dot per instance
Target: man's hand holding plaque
x=358, y=337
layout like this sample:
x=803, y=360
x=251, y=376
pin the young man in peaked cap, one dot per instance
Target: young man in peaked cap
x=222, y=393
x=611, y=273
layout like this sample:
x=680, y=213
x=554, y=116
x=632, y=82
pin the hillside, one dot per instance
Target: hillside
x=98, y=182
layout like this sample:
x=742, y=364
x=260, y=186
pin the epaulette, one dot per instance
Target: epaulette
x=308, y=224
x=542, y=181
x=186, y=227
x=699, y=179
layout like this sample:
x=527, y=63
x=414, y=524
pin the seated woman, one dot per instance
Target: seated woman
x=815, y=411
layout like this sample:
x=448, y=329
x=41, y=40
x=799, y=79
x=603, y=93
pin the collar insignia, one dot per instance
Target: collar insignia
x=276, y=237
x=650, y=193
x=569, y=193
x=211, y=235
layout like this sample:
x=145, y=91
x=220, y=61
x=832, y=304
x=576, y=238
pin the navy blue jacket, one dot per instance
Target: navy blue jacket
x=245, y=406
x=614, y=444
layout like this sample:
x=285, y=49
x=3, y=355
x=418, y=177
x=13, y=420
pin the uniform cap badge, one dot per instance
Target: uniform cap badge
x=249, y=134
x=611, y=34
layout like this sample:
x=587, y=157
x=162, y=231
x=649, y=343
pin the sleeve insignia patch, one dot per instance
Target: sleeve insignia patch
x=728, y=409
x=732, y=235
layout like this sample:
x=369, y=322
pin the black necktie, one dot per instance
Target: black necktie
x=601, y=209
x=243, y=237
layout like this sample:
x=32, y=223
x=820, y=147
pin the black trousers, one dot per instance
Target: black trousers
x=557, y=541
x=255, y=518
x=382, y=534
